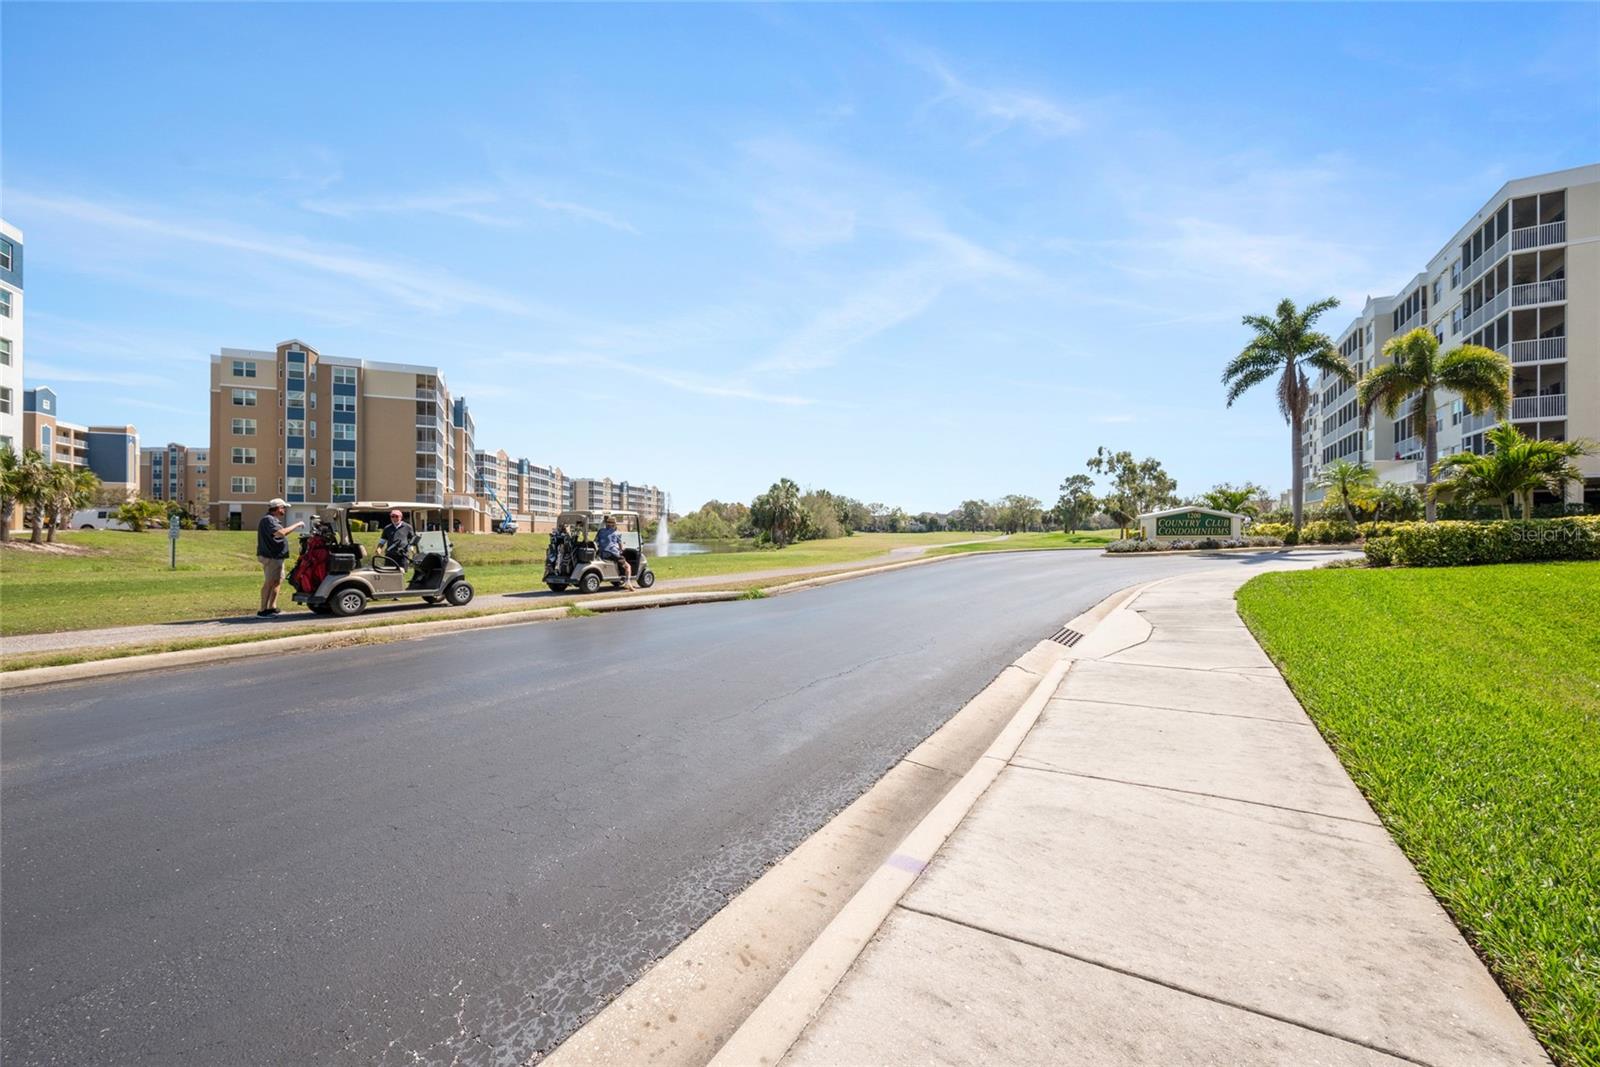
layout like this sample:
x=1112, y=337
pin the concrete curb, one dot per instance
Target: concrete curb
x=34, y=677
x=768, y=1032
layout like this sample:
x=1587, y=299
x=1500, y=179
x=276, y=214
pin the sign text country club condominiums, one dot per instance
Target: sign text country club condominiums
x=317, y=430
x=1522, y=276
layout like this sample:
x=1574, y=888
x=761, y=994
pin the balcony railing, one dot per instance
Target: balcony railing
x=1409, y=448
x=1539, y=350
x=1497, y=303
x=427, y=474
x=1539, y=292
x=1338, y=432
x=1490, y=257
x=1552, y=406
x=1551, y=233
x=428, y=498
x=1481, y=421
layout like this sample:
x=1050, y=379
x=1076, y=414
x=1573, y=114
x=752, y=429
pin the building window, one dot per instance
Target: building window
x=5, y=352
x=344, y=376
x=244, y=398
x=5, y=301
x=344, y=403
x=343, y=431
x=344, y=487
x=313, y=457
x=344, y=459
x=6, y=249
x=244, y=455
x=312, y=486
x=1455, y=320
x=296, y=427
x=5, y=401
x=1455, y=275
x=242, y=484
x=244, y=427
x=297, y=456
x=296, y=398
x=244, y=368
x=296, y=487
x=1438, y=286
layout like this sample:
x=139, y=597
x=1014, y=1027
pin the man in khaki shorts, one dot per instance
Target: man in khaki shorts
x=272, y=548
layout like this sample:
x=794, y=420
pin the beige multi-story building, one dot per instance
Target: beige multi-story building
x=1522, y=276
x=177, y=472
x=10, y=336
x=603, y=494
x=111, y=452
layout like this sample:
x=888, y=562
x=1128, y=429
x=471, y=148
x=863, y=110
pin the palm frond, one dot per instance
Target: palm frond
x=1248, y=380
x=1386, y=387
x=1480, y=375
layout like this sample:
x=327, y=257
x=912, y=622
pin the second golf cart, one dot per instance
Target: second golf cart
x=335, y=575
x=573, y=558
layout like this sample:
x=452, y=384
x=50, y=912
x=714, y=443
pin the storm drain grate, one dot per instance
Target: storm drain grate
x=1066, y=637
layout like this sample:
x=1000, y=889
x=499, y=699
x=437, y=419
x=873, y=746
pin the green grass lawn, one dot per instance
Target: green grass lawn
x=124, y=578
x=1465, y=702
x=1025, y=542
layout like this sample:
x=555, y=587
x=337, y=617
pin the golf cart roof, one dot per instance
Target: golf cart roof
x=586, y=516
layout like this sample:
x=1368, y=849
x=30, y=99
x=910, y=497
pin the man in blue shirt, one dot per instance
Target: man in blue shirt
x=272, y=548
x=609, y=543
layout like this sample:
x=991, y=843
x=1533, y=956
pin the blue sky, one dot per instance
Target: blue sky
x=913, y=254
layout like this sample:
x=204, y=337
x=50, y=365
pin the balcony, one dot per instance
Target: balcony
x=1497, y=303
x=427, y=474
x=1338, y=432
x=1549, y=292
x=428, y=498
x=1539, y=351
x=1553, y=406
x=1472, y=424
x=1409, y=448
x=1490, y=257
x=1551, y=233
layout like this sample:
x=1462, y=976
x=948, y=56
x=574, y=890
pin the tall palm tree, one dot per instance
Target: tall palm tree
x=1514, y=469
x=10, y=465
x=32, y=480
x=1284, y=345
x=70, y=490
x=1348, y=480
x=1480, y=376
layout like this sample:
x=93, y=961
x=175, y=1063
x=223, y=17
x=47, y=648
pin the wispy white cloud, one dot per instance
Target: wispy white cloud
x=421, y=289
x=586, y=213
x=467, y=205
x=730, y=388
x=1002, y=108
x=44, y=372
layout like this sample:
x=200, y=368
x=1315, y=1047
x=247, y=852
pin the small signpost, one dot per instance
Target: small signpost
x=172, y=535
x=1191, y=524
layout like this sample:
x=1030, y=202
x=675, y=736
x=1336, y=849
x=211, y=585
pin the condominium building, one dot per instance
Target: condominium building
x=1522, y=277
x=318, y=430
x=176, y=472
x=10, y=336
x=111, y=452
x=603, y=494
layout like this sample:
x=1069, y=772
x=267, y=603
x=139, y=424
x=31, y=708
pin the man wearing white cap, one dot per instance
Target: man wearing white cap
x=272, y=548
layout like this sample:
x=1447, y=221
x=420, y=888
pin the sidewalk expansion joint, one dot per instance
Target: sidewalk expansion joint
x=1045, y=768
x=1185, y=711
x=1175, y=987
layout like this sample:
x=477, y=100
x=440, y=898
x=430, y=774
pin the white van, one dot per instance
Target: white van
x=95, y=519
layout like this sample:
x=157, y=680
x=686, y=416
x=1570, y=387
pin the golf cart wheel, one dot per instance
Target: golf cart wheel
x=459, y=593
x=556, y=587
x=590, y=583
x=647, y=579
x=348, y=601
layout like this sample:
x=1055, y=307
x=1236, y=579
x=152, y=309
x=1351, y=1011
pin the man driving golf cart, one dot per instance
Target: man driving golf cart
x=591, y=547
x=335, y=575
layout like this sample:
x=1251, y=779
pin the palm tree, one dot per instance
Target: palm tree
x=778, y=511
x=9, y=482
x=1348, y=480
x=32, y=480
x=70, y=490
x=1480, y=376
x=1517, y=466
x=1226, y=498
x=1283, y=346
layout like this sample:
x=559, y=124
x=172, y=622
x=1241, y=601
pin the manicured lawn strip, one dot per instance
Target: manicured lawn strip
x=1030, y=542
x=1465, y=702
x=127, y=581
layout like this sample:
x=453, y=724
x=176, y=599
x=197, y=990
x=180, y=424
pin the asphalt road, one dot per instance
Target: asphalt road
x=461, y=846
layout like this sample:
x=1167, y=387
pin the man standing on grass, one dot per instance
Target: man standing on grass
x=272, y=548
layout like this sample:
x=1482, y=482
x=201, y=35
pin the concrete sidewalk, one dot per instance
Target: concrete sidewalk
x=1172, y=868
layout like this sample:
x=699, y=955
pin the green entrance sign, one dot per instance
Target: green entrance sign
x=1193, y=524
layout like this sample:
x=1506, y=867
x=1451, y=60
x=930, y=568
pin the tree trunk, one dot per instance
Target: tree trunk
x=1505, y=509
x=1527, y=504
x=1430, y=456
x=1297, y=478
x=37, y=524
x=1349, y=512
x=55, y=520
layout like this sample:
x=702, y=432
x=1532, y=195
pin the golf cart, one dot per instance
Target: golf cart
x=335, y=576
x=573, y=558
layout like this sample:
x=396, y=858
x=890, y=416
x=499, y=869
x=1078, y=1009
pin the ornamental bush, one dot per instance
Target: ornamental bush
x=1270, y=529
x=1328, y=532
x=1453, y=544
x=1135, y=544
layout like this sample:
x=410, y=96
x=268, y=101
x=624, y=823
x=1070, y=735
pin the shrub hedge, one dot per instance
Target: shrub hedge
x=1137, y=544
x=1453, y=544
